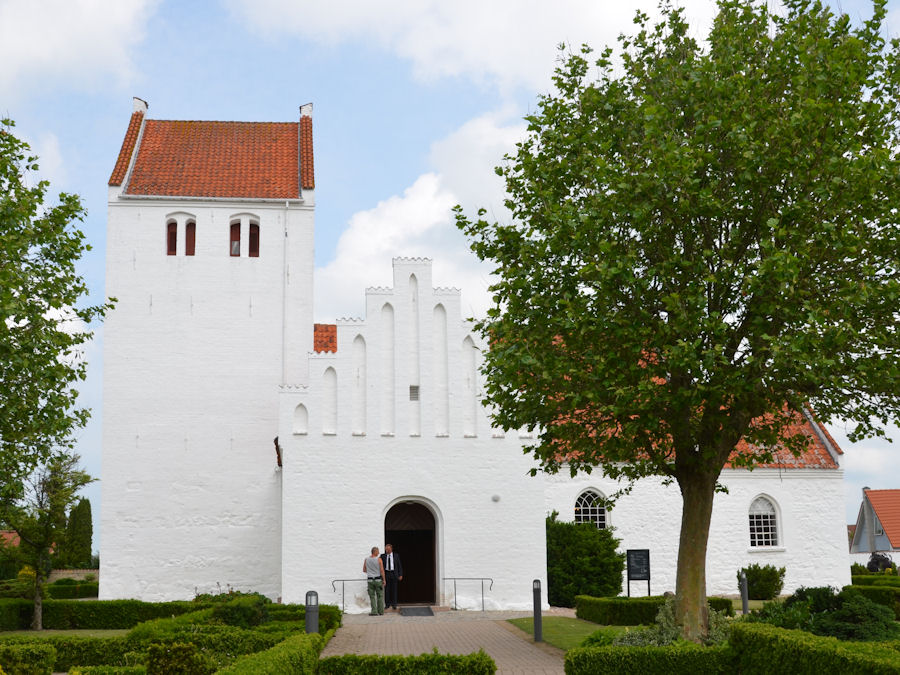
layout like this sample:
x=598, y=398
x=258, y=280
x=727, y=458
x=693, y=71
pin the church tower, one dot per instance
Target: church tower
x=210, y=258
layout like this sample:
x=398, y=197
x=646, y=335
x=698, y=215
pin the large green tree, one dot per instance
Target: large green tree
x=39, y=516
x=42, y=318
x=704, y=242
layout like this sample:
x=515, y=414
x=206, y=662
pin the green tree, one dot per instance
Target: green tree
x=581, y=560
x=39, y=516
x=76, y=552
x=704, y=242
x=42, y=324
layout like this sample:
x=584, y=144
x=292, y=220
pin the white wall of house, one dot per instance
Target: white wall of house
x=359, y=445
x=809, y=505
x=194, y=353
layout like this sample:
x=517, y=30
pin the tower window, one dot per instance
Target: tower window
x=190, y=234
x=171, y=237
x=254, y=240
x=589, y=508
x=235, y=239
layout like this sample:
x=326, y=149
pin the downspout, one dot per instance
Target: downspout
x=284, y=279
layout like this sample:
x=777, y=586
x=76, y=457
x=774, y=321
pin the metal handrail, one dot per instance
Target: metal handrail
x=481, y=579
x=334, y=581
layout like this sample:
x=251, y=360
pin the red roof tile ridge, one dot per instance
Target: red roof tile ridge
x=127, y=151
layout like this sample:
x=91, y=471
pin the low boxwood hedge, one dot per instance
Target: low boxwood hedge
x=477, y=663
x=632, y=611
x=762, y=648
x=109, y=670
x=297, y=654
x=686, y=659
x=874, y=580
x=85, y=589
x=73, y=650
x=27, y=659
x=889, y=596
x=15, y=614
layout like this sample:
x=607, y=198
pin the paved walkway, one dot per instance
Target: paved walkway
x=452, y=632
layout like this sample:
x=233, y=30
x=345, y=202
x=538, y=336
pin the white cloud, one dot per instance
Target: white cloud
x=510, y=43
x=419, y=223
x=76, y=43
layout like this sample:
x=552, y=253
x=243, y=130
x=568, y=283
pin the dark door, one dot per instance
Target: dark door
x=409, y=528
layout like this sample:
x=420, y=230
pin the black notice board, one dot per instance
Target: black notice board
x=638, y=560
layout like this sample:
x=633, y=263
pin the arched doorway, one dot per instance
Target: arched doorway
x=409, y=527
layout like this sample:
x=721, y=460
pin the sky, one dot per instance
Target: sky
x=415, y=103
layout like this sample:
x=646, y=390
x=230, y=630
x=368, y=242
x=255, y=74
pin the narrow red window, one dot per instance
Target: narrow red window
x=171, y=238
x=254, y=241
x=190, y=235
x=235, y=239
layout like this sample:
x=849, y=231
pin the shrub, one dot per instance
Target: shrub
x=477, y=663
x=581, y=559
x=76, y=590
x=874, y=580
x=665, y=630
x=73, y=650
x=13, y=588
x=632, y=611
x=857, y=618
x=65, y=581
x=244, y=612
x=297, y=654
x=177, y=659
x=602, y=637
x=816, y=598
x=15, y=614
x=108, y=670
x=764, y=582
x=760, y=648
x=27, y=659
x=889, y=596
x=856, y=569
x=685, y=658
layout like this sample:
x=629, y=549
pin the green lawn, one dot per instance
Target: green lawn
x=49, y=632
x=560, y=631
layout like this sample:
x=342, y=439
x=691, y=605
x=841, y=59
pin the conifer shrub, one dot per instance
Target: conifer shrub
x=581, y=560
x=764, y=582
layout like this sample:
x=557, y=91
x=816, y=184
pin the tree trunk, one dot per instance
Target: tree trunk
x=37, y=621
x=692, y=612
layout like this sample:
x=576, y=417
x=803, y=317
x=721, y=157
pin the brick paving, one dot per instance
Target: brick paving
x=452, y=632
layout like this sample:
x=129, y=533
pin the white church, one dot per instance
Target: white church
x=246, y=447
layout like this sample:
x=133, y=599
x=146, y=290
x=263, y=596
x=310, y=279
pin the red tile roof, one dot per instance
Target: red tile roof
x=251, y=160
x=324, y=337
x=886, y=504
x=131, y=134
x=815, y=456
x=9, y=538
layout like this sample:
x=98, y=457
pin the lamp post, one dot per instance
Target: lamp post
x=538, y=629
x=312, y=612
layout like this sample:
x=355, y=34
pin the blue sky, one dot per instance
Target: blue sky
x=415, y=102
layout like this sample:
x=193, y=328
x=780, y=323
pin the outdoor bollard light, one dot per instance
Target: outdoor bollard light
x=538, y=632
x=312, y=612
x=745, y=602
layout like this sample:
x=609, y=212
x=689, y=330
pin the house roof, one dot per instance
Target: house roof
x=244, y=160
x=9, y=538
x=324, y=337
x=815, y=456
x=886, y=504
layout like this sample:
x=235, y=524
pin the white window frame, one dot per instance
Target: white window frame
x=588, y=511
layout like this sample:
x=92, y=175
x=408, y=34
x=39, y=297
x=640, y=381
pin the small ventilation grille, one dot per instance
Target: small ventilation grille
x=413, y=392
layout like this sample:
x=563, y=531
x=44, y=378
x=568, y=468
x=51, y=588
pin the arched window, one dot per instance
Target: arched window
x=190, y=236
x=171, y=237
x=254, y=240
x=589, y=508
x=763, y=523
x=235, y=241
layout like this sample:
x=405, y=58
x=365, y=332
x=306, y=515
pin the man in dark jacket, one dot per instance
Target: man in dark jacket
x=393, y=570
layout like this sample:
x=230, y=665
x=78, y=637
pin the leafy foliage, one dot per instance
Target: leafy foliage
x=702, y=245
x=477, y=663
x=42, y=317
x=76, y=551
x=665, y=630
x=764, y=582
x=581, y=560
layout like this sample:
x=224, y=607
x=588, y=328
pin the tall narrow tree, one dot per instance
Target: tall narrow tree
x=79, y=535
x=704, y=242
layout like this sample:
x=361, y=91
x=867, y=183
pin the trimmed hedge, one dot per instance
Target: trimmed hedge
x=875, y=580
x=761, y=648
x=16, y=614
x=477, y=663
x=686, y=659
x=109, y=670
x=84, y=589
x=297, y=654
x=27, y=659
x=888, y=596
x=73, y=650
x=632, y=611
